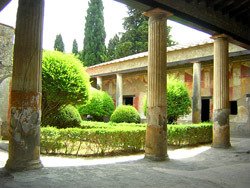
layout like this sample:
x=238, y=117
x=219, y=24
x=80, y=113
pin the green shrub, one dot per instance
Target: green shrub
x=100, y=105
x=178, y=102
x=67, y=117
x=91, y=141
x=182, y=135
x=64, y=81
x=104, y=125
x=125, y=113
x=117, y=137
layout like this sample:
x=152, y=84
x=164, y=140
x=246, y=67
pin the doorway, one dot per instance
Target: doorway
x=205, y=109
x=128, y=100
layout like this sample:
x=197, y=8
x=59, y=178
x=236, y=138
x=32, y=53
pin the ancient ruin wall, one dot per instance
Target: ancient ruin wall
x=6, y=56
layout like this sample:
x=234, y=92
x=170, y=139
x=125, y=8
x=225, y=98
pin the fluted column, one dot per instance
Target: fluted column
x=24, y=142
x=99, y=83
x=196, y=105
x=156, y=133
x=221, y=130
x=119, y=96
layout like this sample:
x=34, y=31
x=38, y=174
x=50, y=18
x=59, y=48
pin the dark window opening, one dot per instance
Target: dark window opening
x=233, y=107
x=205, y=110
x=128, y=100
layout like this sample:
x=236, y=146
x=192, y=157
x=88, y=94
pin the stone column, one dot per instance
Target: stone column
x=24, y=142
x=196, y=107
x=119, y=95
x=99, y=83
x=221, y=131
x=156, y=133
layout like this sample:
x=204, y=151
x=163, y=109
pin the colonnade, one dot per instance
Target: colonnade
x=24, y=150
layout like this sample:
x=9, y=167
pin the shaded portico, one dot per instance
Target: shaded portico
x=26, y=87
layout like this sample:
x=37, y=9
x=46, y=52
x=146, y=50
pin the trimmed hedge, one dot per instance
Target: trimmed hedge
x=125, y=113
x=96, y=124
x=67, y=117
x=64, y=82
x=100, y=105
x=101, y=139
x=178, y=101
x=182, y=135
x=91, y=141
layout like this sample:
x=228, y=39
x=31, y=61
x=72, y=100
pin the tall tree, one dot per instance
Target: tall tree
x=135, y=38
x=75, y=47
x=112, y=45
x=59, y=45
x=94, y=51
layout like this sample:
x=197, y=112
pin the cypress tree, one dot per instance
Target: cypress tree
x=94, y=51
x=112, y=45
x=59, y=45
x=75, y=47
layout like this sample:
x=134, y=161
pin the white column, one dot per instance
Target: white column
x=24, y=131
x=119, y=95
x=221, y=129
x=156, y=133
x=99, y=83
x=196, y=105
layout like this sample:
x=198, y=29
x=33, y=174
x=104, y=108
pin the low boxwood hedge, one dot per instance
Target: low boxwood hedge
x=100, y=138
x=91, y=141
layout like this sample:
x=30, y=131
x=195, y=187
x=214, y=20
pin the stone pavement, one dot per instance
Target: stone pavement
x=204, y=167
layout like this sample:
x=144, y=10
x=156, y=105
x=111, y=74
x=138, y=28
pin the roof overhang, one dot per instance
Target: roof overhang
x=230, y=17
x=3, y=3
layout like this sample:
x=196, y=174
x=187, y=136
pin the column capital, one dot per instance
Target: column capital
x=193, y=62
x=157, y=11
x=221, y=36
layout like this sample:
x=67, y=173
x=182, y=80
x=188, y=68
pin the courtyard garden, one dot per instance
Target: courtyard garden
x=68, y=97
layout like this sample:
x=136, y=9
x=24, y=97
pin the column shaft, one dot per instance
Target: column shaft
x=221, y=131
x=119, y=95
x=24, y=142
x=196, y=107
x=99, y=83
x=156, y=133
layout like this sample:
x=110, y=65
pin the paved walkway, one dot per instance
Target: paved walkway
x=188, y=168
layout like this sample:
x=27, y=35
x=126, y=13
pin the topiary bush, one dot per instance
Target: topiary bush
x=67, y=117
x=64, y=81
x=99, y=105
x=178, y=102
x=125, y=113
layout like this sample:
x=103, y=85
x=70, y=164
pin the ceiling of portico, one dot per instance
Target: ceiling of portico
x=230, y=17
x=3, y=3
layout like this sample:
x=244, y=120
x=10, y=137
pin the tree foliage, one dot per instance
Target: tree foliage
x=178, y=102
x=112, y=46
x=75, y=47
x=64, y=81
x=100, y=105
x=135, y=38
x=59, y=45
x=94, y=51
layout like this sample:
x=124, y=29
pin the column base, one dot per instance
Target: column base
x=155, y=157
x=221, y=145
x=17, y=166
